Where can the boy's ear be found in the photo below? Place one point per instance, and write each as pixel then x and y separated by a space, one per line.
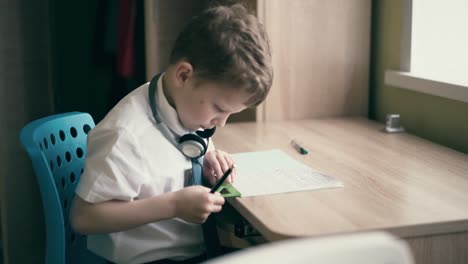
pixel 183 72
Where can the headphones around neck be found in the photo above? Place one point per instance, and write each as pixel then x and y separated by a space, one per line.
pixel 191 145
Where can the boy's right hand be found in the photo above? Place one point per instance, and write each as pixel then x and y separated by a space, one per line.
pixel 195 203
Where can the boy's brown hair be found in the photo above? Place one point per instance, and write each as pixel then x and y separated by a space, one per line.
pixel 226 44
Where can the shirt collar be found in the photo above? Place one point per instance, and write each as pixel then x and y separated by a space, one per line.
pixel 167 113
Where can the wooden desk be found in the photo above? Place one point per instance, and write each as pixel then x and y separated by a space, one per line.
pixel 400 183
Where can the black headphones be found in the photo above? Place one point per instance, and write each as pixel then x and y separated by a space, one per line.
pixel 191 145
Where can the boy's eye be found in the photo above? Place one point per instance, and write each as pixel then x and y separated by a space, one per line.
pixel 218 108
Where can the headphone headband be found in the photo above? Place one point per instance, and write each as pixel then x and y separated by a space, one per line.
pixel 191 145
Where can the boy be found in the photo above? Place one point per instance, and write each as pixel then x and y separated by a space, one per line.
pixel 134 199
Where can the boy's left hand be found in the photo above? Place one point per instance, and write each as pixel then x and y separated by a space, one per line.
pixel 215 163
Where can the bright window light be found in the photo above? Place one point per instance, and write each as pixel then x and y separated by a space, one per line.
pixel 439 40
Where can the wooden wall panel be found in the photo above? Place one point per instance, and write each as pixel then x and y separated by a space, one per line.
pixel 320 53
pixel 163 22
pixel 321 58
pixel 447 248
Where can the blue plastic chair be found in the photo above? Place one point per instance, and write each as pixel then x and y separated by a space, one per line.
pixel 56 146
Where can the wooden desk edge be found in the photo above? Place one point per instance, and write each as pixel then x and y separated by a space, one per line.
pixel 409 231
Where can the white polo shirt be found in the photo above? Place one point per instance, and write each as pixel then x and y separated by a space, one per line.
pixel 129 158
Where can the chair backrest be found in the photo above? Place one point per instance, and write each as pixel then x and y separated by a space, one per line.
pixel 357 248
pixel 56 146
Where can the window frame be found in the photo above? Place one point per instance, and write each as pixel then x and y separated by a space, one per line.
pixel 405 79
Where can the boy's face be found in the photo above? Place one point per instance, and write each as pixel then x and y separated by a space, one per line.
pixel 208 104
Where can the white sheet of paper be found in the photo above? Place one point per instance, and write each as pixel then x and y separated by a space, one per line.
pixel 274 171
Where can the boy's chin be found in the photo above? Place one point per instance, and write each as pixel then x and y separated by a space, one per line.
pixel 194 128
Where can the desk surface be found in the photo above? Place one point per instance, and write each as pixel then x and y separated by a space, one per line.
pixel 395 182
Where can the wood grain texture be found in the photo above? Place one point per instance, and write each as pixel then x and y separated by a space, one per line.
pixel 443 249
pixel 394 182
pixel 163 22
pixel 321 55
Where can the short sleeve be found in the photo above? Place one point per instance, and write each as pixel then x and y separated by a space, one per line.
pixel 113 167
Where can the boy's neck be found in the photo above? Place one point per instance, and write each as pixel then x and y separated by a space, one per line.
pixel 167 90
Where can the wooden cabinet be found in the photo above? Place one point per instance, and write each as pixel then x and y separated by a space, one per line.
pixel 321 54
pixel 320 48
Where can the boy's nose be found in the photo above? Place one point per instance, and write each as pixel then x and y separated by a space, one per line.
pixel 220 121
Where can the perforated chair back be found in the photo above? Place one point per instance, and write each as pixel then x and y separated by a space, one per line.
pixel 56 146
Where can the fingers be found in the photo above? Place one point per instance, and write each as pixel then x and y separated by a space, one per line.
pixel 219 165
pixel 213 200
pixel 200 219
pixel 216 209
pixel 214 178
pixel 232 164
pixel 215 205
pixel 218 199
pixel 196 203
pixel 219 162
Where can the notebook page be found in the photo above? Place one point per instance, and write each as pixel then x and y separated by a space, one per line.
pixel 274 171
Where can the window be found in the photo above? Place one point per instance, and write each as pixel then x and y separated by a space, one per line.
pixel 434 52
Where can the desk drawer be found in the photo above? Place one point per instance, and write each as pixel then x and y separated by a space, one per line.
pixel 234 231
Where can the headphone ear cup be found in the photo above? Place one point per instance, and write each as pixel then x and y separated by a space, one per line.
pixel 192 146
pixel 207 133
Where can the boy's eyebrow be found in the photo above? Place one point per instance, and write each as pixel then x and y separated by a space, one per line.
pixel 223 110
